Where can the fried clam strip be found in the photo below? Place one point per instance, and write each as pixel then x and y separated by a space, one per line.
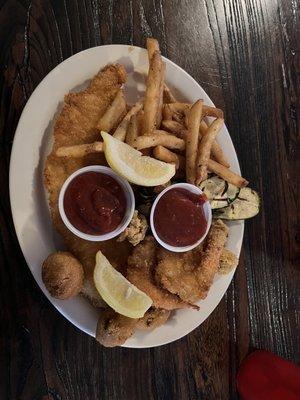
pixel 140 271
pixel 113 114
pixel 120 132
pixel 114 329
pixel 204 149
pixel 79 150
pixel 190 274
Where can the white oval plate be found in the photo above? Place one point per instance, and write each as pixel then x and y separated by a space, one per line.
pixel 30 212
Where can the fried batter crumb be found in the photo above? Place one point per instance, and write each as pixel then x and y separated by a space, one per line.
pixel 114 329
pixel 136 230
pixel 153 318
pixel 228 261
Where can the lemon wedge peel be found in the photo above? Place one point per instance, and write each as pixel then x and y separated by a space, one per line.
pixel 133 166
pixel 121 295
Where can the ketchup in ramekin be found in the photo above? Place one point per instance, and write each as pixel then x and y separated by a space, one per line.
pixel 180 217
pixel 95 203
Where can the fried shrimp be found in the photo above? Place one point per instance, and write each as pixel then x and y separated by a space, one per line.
pixel 190 275
pixel 140 271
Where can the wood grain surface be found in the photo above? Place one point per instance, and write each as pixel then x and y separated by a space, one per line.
pixel 244 53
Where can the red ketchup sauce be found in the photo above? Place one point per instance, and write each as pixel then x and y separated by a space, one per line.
pixel 179 218
pixel 94 203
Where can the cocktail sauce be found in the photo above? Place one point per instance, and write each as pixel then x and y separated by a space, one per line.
pixel 179 218
pixel 94 203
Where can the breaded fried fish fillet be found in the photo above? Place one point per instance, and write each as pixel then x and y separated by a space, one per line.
pixel 76 124
pixel 190 275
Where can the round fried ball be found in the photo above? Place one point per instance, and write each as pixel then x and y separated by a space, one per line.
pixel 62 275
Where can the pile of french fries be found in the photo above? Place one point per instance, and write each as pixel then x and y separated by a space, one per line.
pixel 166 129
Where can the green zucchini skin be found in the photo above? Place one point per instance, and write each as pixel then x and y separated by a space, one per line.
pixel 219 192
pixel 245 206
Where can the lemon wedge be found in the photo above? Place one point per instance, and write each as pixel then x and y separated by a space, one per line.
pixel 117 291
pixel 133 166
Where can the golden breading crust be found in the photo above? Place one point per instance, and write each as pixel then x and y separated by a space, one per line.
pixel 76 124
pixel 153 318
pixel 228 261
pixel 190 274
pixel 62 275
pixel 136 230
pixel 140 271
pixel 114 329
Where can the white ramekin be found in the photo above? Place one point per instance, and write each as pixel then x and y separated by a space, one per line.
pixel 207 212
pixel 128 213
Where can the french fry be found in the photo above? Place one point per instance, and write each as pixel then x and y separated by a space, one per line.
pixel 114 113
pixel 205 149
pixel 173 126
pixel 166 112
pixel 159 138
pixel 79 150
pixel 226 174
pixel 152 95
pixel 209 111
pixel 132 131
pixel 192 139
pixel 175 111
pixel 180 107
pixel 152 47
pixel 216 149
pixel 160 104
pixel 120 132
pixel 178 117
pixel 166 155
pixel 140 121
pixel 168 96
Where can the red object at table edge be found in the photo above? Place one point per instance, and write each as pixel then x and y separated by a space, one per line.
pixel 265 376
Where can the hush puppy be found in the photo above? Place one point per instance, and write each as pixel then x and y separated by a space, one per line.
pixel 62 275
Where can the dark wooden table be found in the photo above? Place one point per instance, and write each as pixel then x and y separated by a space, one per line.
pixel 243 53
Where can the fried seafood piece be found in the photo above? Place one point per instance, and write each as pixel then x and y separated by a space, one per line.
pixel 153 318
pixel 114 329
pixel 190 274
pixel 62 275
pixel 75 125
pixel 141 266
pixel 136 230
pixel 228 261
